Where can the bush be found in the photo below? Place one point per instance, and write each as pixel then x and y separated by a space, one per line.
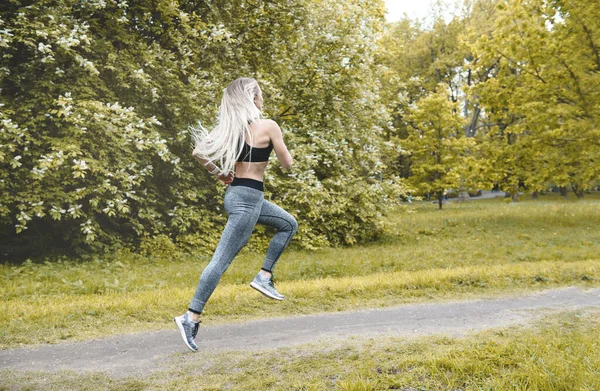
pixel 97 98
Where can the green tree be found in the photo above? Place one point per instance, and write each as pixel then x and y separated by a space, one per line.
pixel 436 144
pixel 479 21
pixel 416 60
pixel 82 155
pixel 543 99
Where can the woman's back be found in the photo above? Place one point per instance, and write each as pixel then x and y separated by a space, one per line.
pixel 265 133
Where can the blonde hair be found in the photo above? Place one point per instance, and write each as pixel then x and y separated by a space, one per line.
pixel 223 145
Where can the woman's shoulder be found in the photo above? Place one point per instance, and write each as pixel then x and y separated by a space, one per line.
pixel 269 126
pixel 267 123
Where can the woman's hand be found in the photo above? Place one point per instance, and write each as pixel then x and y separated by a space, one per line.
pixel 226 178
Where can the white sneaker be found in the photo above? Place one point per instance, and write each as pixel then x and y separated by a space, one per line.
pixel 265 286
pixel 188 329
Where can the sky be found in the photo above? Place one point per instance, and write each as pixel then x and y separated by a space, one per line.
pixel 413 8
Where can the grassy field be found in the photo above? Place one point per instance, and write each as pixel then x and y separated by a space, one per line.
pixel 560 352
pixel 471 249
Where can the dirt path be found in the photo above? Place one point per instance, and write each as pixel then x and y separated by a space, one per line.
pixel 137 353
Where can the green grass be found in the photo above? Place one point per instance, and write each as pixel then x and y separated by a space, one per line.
pixel 470 249
pixel 559 352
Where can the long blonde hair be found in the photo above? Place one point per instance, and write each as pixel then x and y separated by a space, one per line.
pixel 223 145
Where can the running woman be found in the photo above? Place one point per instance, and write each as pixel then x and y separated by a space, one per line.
pixel 237 151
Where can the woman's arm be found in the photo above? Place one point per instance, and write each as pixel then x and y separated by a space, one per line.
pixel 213 168
pixel 283 155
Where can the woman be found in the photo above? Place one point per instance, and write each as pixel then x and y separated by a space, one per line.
pixel 237 151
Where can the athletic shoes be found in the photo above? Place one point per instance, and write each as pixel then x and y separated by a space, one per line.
pixel 188 329
pixel 265 286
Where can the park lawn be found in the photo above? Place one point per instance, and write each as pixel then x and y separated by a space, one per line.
pixel 467 250
pixel 559 352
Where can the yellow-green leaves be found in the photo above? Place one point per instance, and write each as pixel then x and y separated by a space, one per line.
pixel 544 96
pixel 436 144
pixel 526 75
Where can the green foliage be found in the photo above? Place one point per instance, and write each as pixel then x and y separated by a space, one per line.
pixel 423 68
pixel 543 128
pixel 526 74
pixel 416 60
pixel 97 97
pixel 436 144
pixel 335 123
pixel 91 163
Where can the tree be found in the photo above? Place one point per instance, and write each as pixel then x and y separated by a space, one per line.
pixel 479 21
pixel 416 60
pixel 543 96
pixel 436 144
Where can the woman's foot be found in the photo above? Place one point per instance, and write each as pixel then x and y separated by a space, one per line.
pixel 188 329
pixel 265 286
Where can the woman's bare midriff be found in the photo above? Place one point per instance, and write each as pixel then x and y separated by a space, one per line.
pixel 254 170
pixel 250 170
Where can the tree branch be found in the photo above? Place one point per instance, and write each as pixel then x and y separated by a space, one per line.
pixel 591 39
pixel 577 85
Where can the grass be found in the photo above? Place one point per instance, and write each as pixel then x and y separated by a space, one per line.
pixel 471 249
pixel 559 352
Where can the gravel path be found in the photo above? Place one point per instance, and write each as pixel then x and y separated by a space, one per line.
pixel 138 353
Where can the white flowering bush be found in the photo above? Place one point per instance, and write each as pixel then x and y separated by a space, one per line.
pixel 97 96
pixel 332 111
pixel 88 124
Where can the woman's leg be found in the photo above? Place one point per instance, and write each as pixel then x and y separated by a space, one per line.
pixel 243 205
pixel 273 216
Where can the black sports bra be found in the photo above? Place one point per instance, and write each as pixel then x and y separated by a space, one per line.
pixel 254 154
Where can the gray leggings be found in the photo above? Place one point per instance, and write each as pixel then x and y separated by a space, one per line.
pixel 246 206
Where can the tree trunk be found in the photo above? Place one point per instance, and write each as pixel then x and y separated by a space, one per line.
pixel 515 193
pixel 470 127
pixel 535 195
pixel 466 105
pixel 564 192
pixel 578 190
pixel 440 198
